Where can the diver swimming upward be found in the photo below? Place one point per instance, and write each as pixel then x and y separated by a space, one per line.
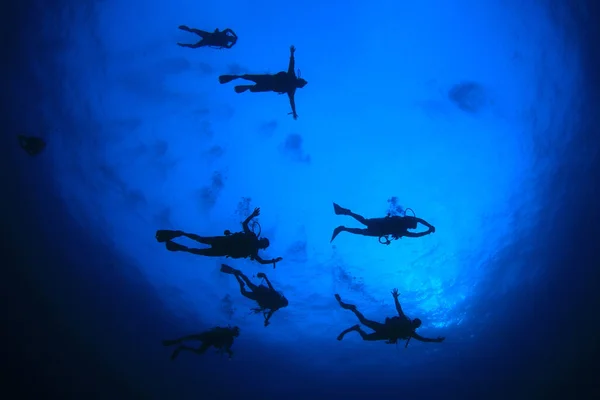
pixel 393 225
pixel 282 82
pixel 268 299
pixel 217 337
pixel 245 244
pixel 395 328
pixel 218 39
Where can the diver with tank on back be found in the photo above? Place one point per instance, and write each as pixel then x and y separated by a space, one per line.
pixel 244 244
pixel 394 226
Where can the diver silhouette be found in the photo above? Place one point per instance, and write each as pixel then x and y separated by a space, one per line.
pixel 217 337
pixel 219 39
pixel 282 82
pixel 245 244
pixel 400 327
pixel 31 144
pixel 268 299
pixel 395 226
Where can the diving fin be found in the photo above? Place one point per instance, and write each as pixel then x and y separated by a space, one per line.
pixel 336 232
pixel 340 210
pixel 227 78
pixel 165 235
pixel 227 269
pixel 242 88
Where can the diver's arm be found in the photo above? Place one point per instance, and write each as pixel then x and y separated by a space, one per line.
pixel 427 224
pixel 268 283
pixel 273 261
pixel 293 104
pixel 254 214
pixel 246 222
pixel 292 64
pixel 416 234
pixel 420 338
pixel 399 308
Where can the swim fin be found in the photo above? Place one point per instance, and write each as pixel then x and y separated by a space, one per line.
pixel 227 78
pixel 340 210
pixel 242 88
pixel 172 246
pixel 164 235
pixel 227 269
pixel 336 232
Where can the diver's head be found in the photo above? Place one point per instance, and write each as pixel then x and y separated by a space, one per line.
pixel 301 82
pixel 235 331
pixel 416 323
pixel 263 243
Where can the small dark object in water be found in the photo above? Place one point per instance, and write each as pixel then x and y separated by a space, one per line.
pixel 31 144
pixel 468 96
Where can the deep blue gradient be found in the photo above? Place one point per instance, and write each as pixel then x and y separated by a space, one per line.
pixel 476 115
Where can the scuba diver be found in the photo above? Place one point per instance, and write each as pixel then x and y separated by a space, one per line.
pixel 400 327
pixel 218 39
pixel 31 144
pixel 282 82
pixel 217 337
pixel 268 299
pixel 243 244
pixel 395 226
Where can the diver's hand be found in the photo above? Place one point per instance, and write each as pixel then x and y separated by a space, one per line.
pixel 395 293
pixel 256 212
pixel 295 116
pixel 267 323
pixel 275 261
pixel 292 49
pixel 432 229
pixel 440 339
pixel 261 275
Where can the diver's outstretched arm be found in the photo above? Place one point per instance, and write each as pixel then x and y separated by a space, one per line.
pixel 292 64
pixel 255 213
pixel 416 234
pixel 267 280
pixel 293 104
pixel 427 224
pixel 420 338
pixel 395 294
pixel 273 261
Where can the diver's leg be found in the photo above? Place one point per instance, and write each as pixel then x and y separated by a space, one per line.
pixel 355 231
pixel 210 252
pixel 201 43
pixel 248 282
pixel 256 78
pixel 201 239
pixel 345 211
pixel 200 350
pixel 371 337
pixel 352 328
pixel 197 336
pixel 249 294
pixel 371 324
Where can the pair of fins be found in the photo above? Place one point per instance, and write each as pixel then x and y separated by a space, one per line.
pixel 229 78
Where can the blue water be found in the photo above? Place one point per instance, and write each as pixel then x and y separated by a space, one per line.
pixel 470 113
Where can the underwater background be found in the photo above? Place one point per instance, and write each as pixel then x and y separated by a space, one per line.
pixel 477 115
